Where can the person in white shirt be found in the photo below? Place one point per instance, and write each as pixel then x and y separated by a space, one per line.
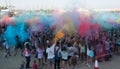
pixel 50 56
pixel 64 55
pixel 27 55
pixel 40 51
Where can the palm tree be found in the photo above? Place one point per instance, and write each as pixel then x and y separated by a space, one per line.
pixel 3 7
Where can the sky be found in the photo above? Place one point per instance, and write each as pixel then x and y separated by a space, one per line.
pixel 61 4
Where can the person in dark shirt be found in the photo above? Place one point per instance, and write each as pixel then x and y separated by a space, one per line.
pixel 18 46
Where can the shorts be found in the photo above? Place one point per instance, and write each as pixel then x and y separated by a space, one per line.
pixel 40 58
pixel 64 60
pixel 69 57
pixel 82 51
pixel 51 61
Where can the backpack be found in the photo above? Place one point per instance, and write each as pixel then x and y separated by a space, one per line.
pixel 57 57
pixel 56 54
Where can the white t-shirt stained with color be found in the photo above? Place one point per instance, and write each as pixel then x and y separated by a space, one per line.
pixel 50 52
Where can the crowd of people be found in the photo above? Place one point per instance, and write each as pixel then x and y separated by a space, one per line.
pixel 65 52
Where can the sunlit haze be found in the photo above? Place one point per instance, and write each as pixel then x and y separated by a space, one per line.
pixel 61 4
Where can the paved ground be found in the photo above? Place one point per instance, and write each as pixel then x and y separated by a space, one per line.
pixel 13 62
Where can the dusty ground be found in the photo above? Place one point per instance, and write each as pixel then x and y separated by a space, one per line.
pixel 13 62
